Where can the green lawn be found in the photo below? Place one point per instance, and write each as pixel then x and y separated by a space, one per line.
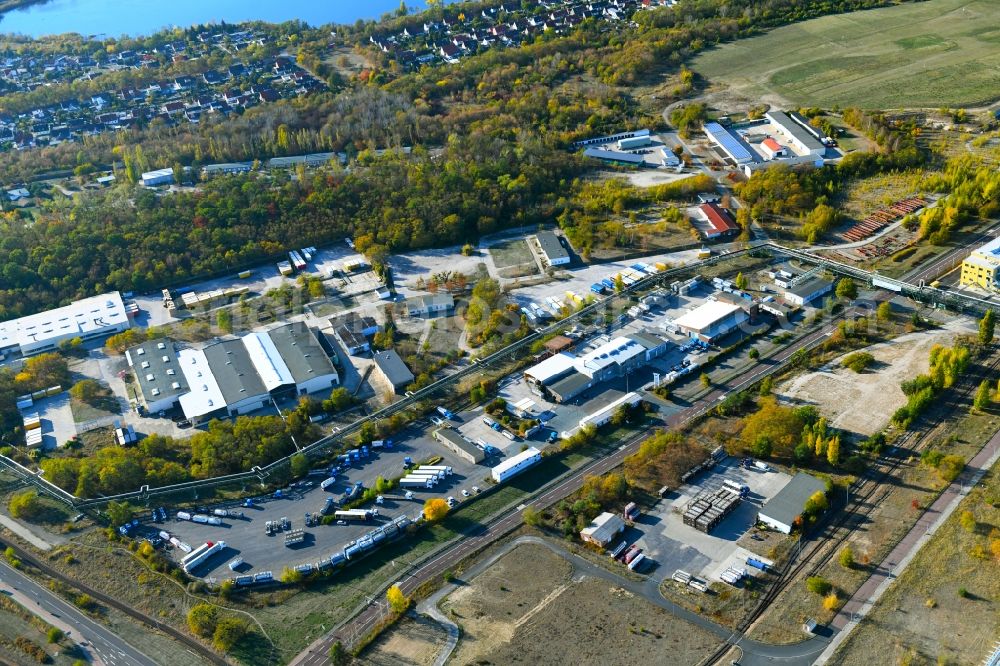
pixel 924 54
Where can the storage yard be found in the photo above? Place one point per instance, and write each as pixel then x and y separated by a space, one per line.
pixel 529 607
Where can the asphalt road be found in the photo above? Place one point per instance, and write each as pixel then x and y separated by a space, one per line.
pixel 109 648
pixel 317 653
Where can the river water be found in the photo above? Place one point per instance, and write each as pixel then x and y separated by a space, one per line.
pixel 113 18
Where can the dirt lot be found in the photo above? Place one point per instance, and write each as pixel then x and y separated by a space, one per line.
pixel 846 398
pixel 527 609
pixel 414 640
pixel 922 619
pixel 513 258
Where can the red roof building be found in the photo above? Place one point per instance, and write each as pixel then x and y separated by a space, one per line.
pixel 720 222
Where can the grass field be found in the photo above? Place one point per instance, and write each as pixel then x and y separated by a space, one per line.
pixel 917 55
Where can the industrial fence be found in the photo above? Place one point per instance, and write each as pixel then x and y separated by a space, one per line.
pixel 261 475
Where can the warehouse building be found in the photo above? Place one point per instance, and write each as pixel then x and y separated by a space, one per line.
pixel 158 177
pixel 711 320
pixel 570 386
pixel 654 345
pixel 550 370
pixel 299 350
pixel 158 374
pixel 730 143
pixel 784 509
pixel 86 319
pixel 612 359
pixel 720 224
pixel 603 415
pixel 243 390
pixel 808 291
pixel 980 269
pixel 429 304
pixel 614 157
pixel 603 529
pixel 459 445
pixel 795 134
pixel 611 138
pixel 553 249
pixel 390 372
pixel 205 398
pixel 635 142
pixel 772 148
pixel 516 464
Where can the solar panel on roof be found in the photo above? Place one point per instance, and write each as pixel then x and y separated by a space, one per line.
pixel 729 142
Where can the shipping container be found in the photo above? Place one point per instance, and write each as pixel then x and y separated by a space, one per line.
pixel 285 268
pixel 353 514
pixel 637 562
pixel 245 274
pixel 183 515
pixel 326 483
pixel 632 555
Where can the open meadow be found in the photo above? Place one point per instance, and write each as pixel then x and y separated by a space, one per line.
pixel 915 55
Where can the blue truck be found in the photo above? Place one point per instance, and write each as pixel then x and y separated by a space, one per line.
pixel 597 288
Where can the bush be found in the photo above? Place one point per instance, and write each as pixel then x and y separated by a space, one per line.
pixel 398 601
pixel 964 593
pixel 831 601
pixel 847 558
pixel 435 509
pixel 202 620
pixel 858 362
pixel 228 633
pixel 818 585
pixel 54 635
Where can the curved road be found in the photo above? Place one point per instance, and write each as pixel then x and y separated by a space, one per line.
pixel 109 648
pixel 481 536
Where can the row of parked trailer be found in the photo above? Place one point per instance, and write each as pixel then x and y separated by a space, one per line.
pixel 711 461
pixel 353 551
pixel 297 260
pixel 684 578
pixel 426 476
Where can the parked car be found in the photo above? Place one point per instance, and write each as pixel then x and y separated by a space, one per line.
pixel 436 421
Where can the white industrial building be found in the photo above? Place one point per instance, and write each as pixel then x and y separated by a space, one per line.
pixel 806 292
pixel 604 414
pixel 552 248
pixel 603 529
pixel 232 376
pixel 781 511
pixel 796 135
pixel 711 320
pixel 158 177
pixel 516 464
pixel 85 319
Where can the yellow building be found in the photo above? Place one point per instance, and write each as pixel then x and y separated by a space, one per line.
pixel 982 267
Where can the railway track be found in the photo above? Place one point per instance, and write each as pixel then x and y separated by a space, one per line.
pixel 867 493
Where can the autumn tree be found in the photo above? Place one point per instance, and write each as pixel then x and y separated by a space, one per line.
pixel 202 620
pixel 986 327
pixel 435 509
pixel 398 601
pixel 847 289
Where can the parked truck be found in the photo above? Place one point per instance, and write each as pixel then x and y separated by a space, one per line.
pixel 416 482
pixel 327 483
pixel 200 554
pixel 435 468
pixel 353 514
pixel 446 413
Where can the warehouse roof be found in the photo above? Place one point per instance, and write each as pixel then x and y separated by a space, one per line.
pixel 83 318
pixel 731 143
pixel 551 246
pixel 792 128
pixel 570 386
pixel 157 370
pixel 352 339
pixel 811 287
pixel 393 368
pixel 787 505
pixel 604 528
pixel 619 351
pixel 205 396
pixel 357 323
pixel 552 368
pixel 705 315
pixel 267 361
pixel 718 218
pixel 648 340
pixel 613 156
pixel 234 371
pixel 456 440
pixel 301 352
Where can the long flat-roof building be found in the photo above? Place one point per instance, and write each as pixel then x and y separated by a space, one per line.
pixel 808 291
pixel 795 134
pixel 730 143
pixel 429 304
pixel 711 320
pixel 390 371
pixel 615 157
pixel 158 374
pixel 781 511
pixel 982 267
pixel 86 319
pixel 553 249
pixel 459 445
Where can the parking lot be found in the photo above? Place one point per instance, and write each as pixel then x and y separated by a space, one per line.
pixel 670 543
pixel 245 536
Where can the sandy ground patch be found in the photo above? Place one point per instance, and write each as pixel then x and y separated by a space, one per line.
pixel 413 641
pixel 863 403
